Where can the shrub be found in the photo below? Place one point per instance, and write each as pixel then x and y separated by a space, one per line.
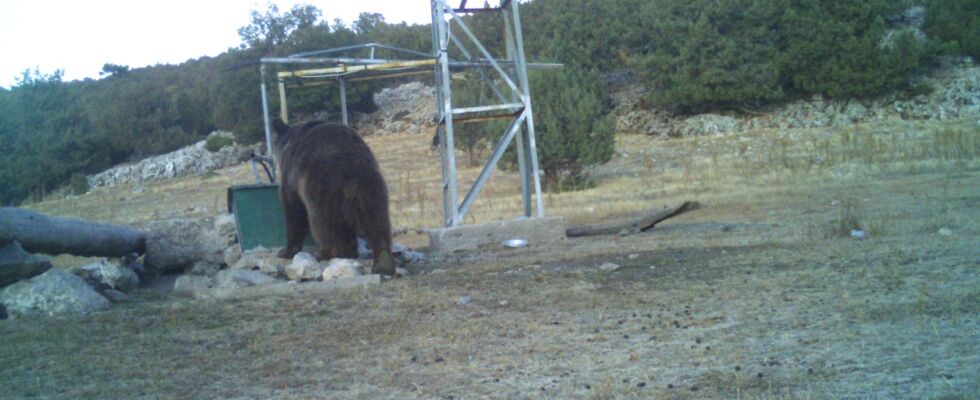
pixel 215 143
pixel 706 54
pixel 574 127
pixel 956 23
pixel 78 184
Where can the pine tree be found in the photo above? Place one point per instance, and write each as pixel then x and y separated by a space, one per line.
pixel 574 127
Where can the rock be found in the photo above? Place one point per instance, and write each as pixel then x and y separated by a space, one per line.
pixel 437 271
pixel 232 254
pixel 17 264
pixel 703 124
pixel 176 244
pixel 226 227
pixel 402 272
pixel 404 109
pixel 608 266
pixel 341 268
pixel 115 296
pixel 405 255
pixel 205 268
pixel 858 234
pixel 945 231
pixel 191 160
pixel 463 300
pixel 304 267
pixel 54 292
pixel 261 260
pixel 633 256
pixel 235 278
pixel 191 284
pixel 110 274
pixel 363 251
pixel 133 263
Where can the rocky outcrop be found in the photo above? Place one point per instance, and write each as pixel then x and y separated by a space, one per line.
pixel 950 93
pixel 55 292
pixel 191 160
pixel 408 108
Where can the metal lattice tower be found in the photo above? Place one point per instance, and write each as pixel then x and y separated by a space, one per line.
pixel 513 98
pixel 514 103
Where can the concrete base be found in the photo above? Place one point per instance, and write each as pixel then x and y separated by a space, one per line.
pixel 490 235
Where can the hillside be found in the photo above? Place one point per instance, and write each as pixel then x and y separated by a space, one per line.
pixel 834 148
pixel 690 57
pixel 762 293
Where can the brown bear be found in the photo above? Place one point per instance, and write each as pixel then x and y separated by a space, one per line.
pixel 330 184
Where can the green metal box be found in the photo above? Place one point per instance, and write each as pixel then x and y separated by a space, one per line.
pixel 259 218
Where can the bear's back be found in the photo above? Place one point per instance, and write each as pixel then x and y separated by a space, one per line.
pixel 326 148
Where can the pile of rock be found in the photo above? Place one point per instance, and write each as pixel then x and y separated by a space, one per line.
pixel 408 108
pixel 204 250
pixel 78 291
pixel 195 159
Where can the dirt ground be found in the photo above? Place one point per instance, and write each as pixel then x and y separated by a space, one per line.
pixel 762 293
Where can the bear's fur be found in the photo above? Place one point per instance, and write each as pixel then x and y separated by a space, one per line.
pixel 331 186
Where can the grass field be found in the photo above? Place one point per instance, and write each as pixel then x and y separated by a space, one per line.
pixel 760 294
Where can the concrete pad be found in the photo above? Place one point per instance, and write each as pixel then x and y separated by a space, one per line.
pixel 287 289
pixel 490 235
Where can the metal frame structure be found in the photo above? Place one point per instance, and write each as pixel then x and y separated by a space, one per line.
pixel 514 98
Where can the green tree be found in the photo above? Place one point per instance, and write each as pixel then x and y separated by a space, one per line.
pixel 956 23
pixel 473 137
pixel 272 28
pixel 711 54
pixel 574 127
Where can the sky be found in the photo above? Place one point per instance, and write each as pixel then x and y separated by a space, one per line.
pixel 80 36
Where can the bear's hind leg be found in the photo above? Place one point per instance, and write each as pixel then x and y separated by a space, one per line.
pixel 324 234
pixel 297 224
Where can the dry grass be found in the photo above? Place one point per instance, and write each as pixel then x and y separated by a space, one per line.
pixel 758 295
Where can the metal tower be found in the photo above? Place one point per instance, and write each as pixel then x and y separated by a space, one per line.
pixel 514 98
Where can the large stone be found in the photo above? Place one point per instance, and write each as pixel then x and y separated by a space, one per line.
pixel 176 244
pixel 236 278
pixel 110 274
pixel 205 268
pixel 264 261
pixel 232 254
pixel 17 264
pixel 339 268
pixel 536 231
pixel 304 267
pixel 54 292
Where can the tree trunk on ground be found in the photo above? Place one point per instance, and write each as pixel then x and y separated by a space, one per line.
pixel 641 223
pixel 39 233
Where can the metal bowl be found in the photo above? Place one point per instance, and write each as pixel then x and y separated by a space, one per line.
pixel 514 243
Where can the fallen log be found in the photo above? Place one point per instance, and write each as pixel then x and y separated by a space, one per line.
pixel 643 222
pixel 39 233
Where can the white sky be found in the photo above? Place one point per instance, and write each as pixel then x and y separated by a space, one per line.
pixel 79 36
